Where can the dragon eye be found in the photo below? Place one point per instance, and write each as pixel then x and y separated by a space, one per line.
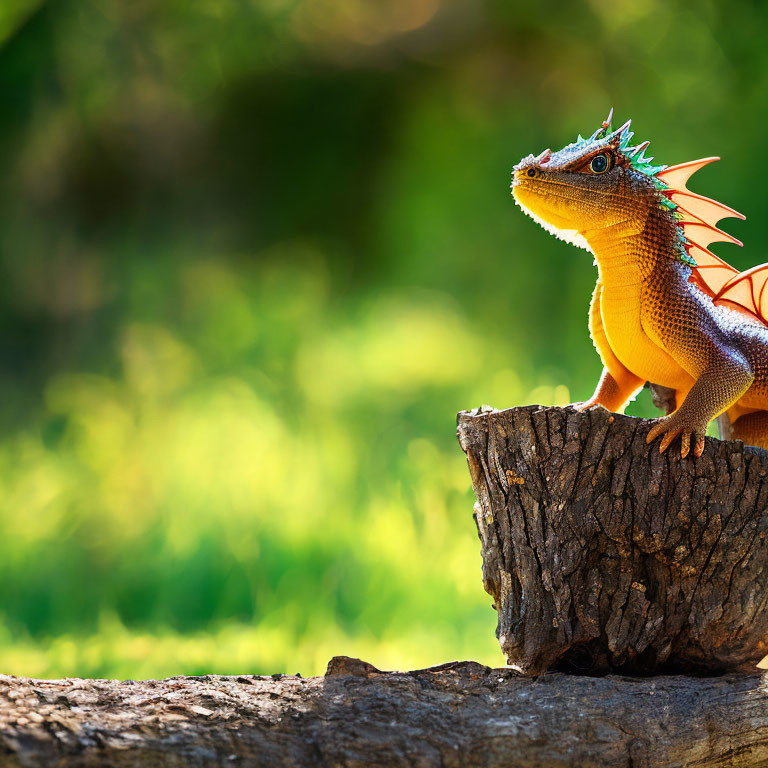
pixel 531 172
pixel 600 163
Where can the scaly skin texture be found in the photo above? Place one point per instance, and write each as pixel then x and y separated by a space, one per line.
pixel 648 321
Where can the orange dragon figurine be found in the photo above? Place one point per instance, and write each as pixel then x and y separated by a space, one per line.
pixel 664 309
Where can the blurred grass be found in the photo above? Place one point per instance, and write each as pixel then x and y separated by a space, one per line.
pixel 309 501
pixel 258 255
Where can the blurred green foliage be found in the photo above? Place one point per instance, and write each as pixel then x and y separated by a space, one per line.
pixel 256 255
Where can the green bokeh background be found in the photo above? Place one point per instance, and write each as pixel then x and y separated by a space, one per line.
pixel 256 255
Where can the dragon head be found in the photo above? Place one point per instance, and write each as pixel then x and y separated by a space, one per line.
pixel 589 185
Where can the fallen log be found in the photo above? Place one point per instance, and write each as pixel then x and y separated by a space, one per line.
pixel 603 555
pixel 452 716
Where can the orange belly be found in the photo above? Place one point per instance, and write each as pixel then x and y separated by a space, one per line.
pixel 635 350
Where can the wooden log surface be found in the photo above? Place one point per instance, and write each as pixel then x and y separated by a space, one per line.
pixel 457 715
pixel 603 555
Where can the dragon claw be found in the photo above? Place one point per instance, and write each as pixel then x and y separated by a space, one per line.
pixel 670 427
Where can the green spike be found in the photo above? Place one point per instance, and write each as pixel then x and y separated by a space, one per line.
pixel 667 203
pixel 686 259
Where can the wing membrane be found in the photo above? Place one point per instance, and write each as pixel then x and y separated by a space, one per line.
pixel 747 290
pixel 743 291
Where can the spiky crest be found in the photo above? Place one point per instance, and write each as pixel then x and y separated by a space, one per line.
pixel 620 139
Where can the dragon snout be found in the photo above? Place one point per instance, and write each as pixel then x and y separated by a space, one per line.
pixel 530 167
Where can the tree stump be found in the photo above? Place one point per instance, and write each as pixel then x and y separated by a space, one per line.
pixel 603 555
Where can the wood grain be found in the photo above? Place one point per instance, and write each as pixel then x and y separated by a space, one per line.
pixel 603 555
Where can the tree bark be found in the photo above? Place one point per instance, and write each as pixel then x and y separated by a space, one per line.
pixel 603 555
pixel 456 715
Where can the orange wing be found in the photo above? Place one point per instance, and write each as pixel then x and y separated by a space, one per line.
pixel 676 176
pixel 745 291
pixel 711 273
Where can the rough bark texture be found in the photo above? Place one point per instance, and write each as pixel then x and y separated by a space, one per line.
pixel 601 554
pixel 457 715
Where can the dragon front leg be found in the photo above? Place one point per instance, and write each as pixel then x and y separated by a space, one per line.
pixel 612 391
pixel 727 377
